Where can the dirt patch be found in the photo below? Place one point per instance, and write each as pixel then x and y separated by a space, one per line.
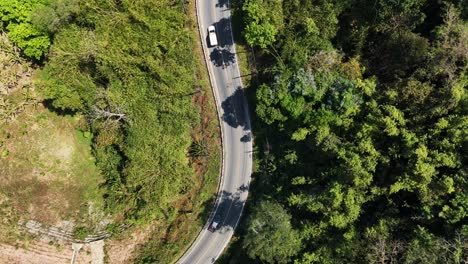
pixel 47 172
pixel 40 253
pixel 97 252
pixel 121 251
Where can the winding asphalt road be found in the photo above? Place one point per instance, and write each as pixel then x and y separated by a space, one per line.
pixel 236 134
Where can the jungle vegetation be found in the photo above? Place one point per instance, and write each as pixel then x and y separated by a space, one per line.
pixel 361 131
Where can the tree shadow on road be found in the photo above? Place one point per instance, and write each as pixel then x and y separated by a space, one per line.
pixel 223 3
pixel 222 57
pixel 235 110
pixel 223 31
pixel 229 209
pixel 246 138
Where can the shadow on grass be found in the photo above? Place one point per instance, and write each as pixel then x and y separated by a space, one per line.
pixel 48 103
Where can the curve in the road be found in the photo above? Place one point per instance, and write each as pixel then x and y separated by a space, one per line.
pixel 236 133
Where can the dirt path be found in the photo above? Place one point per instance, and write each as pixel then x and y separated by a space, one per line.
pixel 97 252
pixel 123 251
pixel 40 253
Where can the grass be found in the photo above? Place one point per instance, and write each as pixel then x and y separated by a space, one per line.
pixel 49 174
pixel 171 238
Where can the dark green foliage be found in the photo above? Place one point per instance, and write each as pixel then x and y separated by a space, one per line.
pixel 427 248
pixel 396 54
pixel 81 232
pixel 198 149
pixel 55 15
pixel 270 236
pixel 368 144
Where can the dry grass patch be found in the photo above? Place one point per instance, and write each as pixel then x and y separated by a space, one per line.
pixel 47 172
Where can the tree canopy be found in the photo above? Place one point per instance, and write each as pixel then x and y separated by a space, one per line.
pixel 363 120
pixel 270 236
pixel 15 17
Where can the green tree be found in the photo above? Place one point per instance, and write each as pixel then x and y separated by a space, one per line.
pixel 15 16
pixel 263 20
pixel 377 131
pixel 270 236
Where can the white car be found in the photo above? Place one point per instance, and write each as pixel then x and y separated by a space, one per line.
pixel 212 36
pixel 215 223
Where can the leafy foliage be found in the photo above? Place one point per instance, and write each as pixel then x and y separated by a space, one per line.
pixel 132 91
pixel 15 16
pixel 262 26
pixel 270 236
pixel 369 131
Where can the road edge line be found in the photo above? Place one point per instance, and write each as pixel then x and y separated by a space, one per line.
pixel 218 113
pixel 246 109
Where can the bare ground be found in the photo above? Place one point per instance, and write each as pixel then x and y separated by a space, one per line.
pixel 48 174
pixel 123 251
pixel 97 252
pixel 40 253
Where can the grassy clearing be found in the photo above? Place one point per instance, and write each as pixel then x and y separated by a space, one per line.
pixel 47 172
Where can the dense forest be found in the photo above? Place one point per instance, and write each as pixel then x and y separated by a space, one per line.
pixel 361 129
pixel 130 68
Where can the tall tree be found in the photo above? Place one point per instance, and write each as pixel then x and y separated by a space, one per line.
pixel 270 236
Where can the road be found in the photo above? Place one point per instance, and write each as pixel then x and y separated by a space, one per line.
pixel 236 133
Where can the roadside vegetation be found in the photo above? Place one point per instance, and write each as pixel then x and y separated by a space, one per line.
pixel 361 129
pixel 126 76
pixel 47 171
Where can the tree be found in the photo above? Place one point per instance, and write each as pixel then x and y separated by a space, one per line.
pixel 54 15
pixel 262 26
pixel 369 142
pixel 428 248
pixel 15 16
pixel 270 236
